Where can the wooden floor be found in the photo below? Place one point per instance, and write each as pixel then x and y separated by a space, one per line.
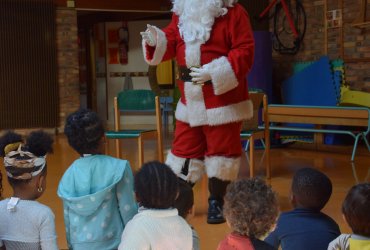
pixel 285 161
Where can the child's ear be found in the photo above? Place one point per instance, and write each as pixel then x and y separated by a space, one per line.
pixel 40 181
pixel 191 212
pixel 292 199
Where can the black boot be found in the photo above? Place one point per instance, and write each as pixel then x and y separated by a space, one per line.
pixel 217 190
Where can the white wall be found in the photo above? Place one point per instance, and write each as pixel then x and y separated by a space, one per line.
pixel 136 63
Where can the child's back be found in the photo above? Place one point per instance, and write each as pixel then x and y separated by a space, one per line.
pixel 303 229
pixel 157 226
pixel 98 201
pixel 97 190
pixel 306 227
pixel 24 226
pixel 24 222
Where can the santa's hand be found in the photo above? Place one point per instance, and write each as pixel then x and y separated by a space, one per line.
pixel 150 36
pixel 199 75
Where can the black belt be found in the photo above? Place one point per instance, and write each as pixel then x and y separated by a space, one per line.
pixel 184 75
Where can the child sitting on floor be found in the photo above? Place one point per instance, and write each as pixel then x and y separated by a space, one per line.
pixel 24 222
pixel 356 212
pixel 250 209
pixel 184 204
pixel 157 226
pixel 306 227
pixel 97 190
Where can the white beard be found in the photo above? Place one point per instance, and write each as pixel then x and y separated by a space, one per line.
pixel 196 17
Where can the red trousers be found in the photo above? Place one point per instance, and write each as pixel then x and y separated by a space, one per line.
pixel 213 149
pixel 198 142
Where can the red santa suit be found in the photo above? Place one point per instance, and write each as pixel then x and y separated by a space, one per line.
pixel 209 116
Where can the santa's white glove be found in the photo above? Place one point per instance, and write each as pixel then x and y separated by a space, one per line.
pixel 150 35
pixel 199 75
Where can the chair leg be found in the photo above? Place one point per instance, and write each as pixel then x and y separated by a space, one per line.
pixel 251 156
pixel 106 146
pixel 118 148
pixel 140 151
pixel 160 148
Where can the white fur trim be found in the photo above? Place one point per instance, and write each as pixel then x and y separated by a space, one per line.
pixel 232 113
pixel 181 112
pixel 192 53
pixel 222 74
pixel 160 48
pixel 196 107
pixel 223 168
pixel 217 116
pixel 196 167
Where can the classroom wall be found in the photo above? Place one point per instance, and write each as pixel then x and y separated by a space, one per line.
pixel 67 56
pixel 136 63
pixel 356 44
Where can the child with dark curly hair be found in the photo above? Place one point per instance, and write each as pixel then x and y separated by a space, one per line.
pixel 24 222
pixel 158 225
pixel 356 212
pixel 97 190
pixel 250 209
pixel 306 227
pixel 185 204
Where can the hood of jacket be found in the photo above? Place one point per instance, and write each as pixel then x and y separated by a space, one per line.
pixel 89 182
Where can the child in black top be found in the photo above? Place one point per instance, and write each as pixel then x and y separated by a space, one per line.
pixel 184 204
pixel 306 227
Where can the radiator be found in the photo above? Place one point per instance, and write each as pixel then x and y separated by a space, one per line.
pixel 28 66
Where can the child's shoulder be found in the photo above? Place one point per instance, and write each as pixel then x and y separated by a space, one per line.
pixel 97 160
pixel 29 206
pixel 41 208
pixel 303 215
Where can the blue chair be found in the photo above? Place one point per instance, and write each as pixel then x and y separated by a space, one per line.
pixel 166 109
pixel 251 131
pixel 142 102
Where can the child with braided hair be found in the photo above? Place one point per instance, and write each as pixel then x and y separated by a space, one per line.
pixel 158 225
pixel 26 223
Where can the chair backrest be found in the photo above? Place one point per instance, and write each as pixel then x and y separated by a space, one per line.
pixel 136 100
pixel 259 99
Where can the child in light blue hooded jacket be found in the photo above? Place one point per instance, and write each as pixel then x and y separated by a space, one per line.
pixel 97 190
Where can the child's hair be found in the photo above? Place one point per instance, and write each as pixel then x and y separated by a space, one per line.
pixel 311 188
pixel 251 207
pixel 185 199
pixel 156 186
pixel 356 209
pixel 84 130
pixel 22 160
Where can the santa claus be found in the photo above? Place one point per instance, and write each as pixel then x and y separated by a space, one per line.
pixel 213 44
